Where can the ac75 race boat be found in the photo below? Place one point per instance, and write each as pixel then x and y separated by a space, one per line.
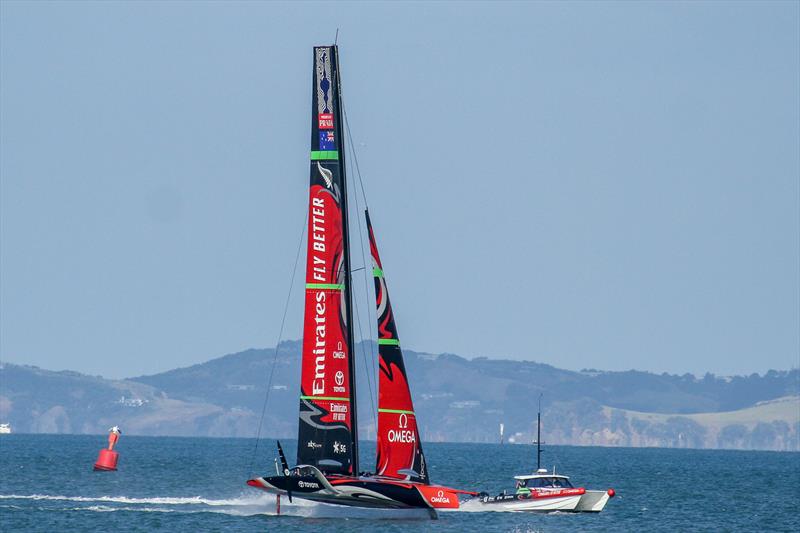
pixel 327 450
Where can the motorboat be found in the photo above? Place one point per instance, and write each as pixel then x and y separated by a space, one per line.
pixel 546 491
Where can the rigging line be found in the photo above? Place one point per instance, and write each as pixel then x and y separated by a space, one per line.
pixel 366 367
pixel 374 356
pixel 361 239
pixel 374 374
pixel 277 345
pixel 353 151
pixel 370 377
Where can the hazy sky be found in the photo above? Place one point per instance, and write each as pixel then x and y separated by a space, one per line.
pixel 606 185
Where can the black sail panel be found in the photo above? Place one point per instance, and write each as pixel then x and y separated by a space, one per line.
pixel 327 428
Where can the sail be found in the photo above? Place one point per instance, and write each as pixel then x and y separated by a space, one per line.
pixel 327 430
pixel 399 446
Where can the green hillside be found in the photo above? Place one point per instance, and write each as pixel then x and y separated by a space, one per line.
pixel 456 399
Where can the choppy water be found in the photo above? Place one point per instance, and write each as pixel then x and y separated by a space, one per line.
pixel 182 484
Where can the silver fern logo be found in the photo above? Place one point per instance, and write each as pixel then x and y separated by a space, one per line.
pixel 327 176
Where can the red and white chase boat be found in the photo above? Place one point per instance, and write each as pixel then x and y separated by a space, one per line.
pixel 546 492
pixel 327 450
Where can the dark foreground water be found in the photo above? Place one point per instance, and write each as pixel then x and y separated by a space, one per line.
pixel 185 484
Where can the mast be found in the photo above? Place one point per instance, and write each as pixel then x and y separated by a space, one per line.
pixel 539 435
pixel 348 284
pixel 327 431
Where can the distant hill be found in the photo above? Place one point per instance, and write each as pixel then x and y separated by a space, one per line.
pixel 456 399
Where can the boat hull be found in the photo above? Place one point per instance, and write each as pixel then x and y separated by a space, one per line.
pixel 563 500
pixel 370 492
pixel 593 501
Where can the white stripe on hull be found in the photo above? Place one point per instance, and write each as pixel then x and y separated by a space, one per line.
pixel 562 503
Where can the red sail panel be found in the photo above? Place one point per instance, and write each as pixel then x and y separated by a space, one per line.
pixel 325 437
pixel 399 445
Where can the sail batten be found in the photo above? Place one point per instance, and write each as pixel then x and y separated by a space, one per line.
pixel 327 435
pixel 399 453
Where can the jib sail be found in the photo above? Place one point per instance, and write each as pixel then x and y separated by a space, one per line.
pixel 327 433
pixel 399 452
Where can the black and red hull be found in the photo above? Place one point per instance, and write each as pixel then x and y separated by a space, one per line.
pixel 363 491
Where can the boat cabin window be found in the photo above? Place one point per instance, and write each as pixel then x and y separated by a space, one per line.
pixel 549 482
pixel 303 471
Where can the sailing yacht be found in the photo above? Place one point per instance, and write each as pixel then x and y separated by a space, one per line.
pixel 327 451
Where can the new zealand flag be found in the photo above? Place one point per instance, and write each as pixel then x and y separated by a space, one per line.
pixel 326 140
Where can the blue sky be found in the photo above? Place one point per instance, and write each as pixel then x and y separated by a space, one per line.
pixel 589 185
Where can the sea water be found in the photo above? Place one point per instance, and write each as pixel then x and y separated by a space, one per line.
pixel 198 484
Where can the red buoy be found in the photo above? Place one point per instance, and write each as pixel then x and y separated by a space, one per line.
pixel 611 493
pixel 106 460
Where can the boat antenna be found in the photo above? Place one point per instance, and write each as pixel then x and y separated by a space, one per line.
pixel 336 39
pixel 539 435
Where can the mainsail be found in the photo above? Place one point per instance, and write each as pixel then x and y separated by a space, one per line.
pixel 399 446
pixel 327 436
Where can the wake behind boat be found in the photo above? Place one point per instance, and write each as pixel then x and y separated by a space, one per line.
pixel 327 451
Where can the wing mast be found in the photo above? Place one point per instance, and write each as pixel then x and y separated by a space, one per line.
pixel 348 286
pixel 327 434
